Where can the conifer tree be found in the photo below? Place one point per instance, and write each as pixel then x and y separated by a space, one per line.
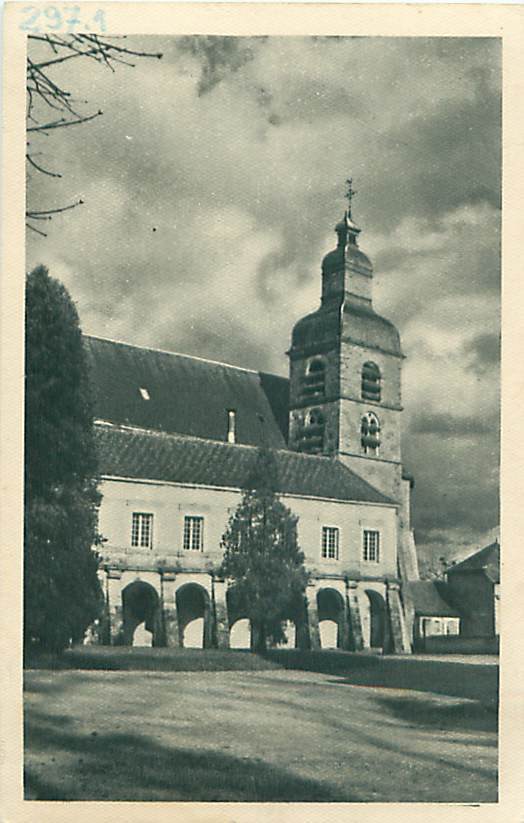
pixel 62 594
pixel 262 558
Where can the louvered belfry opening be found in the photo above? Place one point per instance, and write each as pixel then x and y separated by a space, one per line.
pixel 311 439
pixel 314 380
pixel 370 433
pixel 371 382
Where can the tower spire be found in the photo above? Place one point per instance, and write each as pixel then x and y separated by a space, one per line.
pixel 346 229
pixel 350 194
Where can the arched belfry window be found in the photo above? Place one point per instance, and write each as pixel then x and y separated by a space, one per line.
pixel 370 382
pixel 312 435
pixel 314 380
pixel 370 433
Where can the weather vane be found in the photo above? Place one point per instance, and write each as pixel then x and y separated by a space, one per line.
pixel 350 193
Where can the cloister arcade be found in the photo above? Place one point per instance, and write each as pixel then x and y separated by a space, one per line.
pixel 199 611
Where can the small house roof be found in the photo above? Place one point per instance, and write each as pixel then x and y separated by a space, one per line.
pixel 486 560
pixel 428 600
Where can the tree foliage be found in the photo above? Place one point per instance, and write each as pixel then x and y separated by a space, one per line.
pixel 51 106
pixel 62 595
pixel 262 558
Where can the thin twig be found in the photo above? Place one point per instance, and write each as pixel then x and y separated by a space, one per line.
pixel 38 231
pixel 58 124
pixel 43 214
pixel 44 92
pixel 41 168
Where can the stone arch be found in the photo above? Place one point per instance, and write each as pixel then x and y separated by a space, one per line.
pixel 376 620
pixel 141 606
pixel 240 633
pixel 239 623
pixel 331 610
pixel 236 608
pixel 193 606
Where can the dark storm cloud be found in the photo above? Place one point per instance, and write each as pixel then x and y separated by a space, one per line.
pixel 435 146
pixel 445 424
pixel 218 56
pixel 453 491
pixel 212 185
pixel 484 352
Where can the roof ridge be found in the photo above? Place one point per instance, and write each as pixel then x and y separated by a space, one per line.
pixel 476 554
pixel 173 435
pixel 181 354
pixel 222 443
pixel 182 436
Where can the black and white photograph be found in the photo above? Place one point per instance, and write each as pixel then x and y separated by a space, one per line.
pixel 262 330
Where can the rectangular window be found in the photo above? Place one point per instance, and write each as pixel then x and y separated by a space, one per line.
pixel 142 530
pixel 371 546
pixel 330 542
pixel 194 534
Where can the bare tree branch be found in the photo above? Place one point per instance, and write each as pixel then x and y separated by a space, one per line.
pixel 35 165
pixel 53 47
pixel 45 94
pixel 58 124
pixel 33 228
pixel 47 214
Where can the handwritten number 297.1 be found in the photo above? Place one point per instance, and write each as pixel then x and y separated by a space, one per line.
pixel 51 18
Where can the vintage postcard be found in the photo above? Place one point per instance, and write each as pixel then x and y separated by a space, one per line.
pixel 257 548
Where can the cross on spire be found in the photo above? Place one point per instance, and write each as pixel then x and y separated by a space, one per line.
pixel 350 193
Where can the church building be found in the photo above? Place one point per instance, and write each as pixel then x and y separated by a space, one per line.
pixel 178 437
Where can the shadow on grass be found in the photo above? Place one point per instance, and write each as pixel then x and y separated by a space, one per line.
pixel 466 716
pixel 132 767
pixel 127 658
pixel 468 680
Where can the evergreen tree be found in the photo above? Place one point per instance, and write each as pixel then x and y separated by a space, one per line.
pixel 262 557
pixel 62 594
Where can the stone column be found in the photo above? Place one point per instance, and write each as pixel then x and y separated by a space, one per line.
pixel 255 637
pixel 114 606
pixel 356 640
pixel 343 633
pixel 170 616
pixel 220 613
pixel 98 632
pixel 312 617
pixel 400 641
pixel 208 625
pixel 159 628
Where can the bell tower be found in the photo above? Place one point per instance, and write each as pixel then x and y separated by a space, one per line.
pixel 345 369
pixel 345 373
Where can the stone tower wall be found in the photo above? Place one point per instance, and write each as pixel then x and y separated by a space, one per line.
pixel 352 357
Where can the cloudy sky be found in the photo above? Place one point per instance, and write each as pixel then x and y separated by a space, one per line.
pixel 212 184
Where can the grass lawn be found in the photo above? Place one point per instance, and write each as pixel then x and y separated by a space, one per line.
pixel 267 734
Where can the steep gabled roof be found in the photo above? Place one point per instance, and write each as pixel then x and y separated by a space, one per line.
pixel 428 600
pixel 185 395
pixel 146 455
pixel 486 560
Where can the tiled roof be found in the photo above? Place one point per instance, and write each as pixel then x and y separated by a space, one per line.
pixel 428 600
pixel 175 458
pixel 356 324
pixel 486 560
pixel 185 395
